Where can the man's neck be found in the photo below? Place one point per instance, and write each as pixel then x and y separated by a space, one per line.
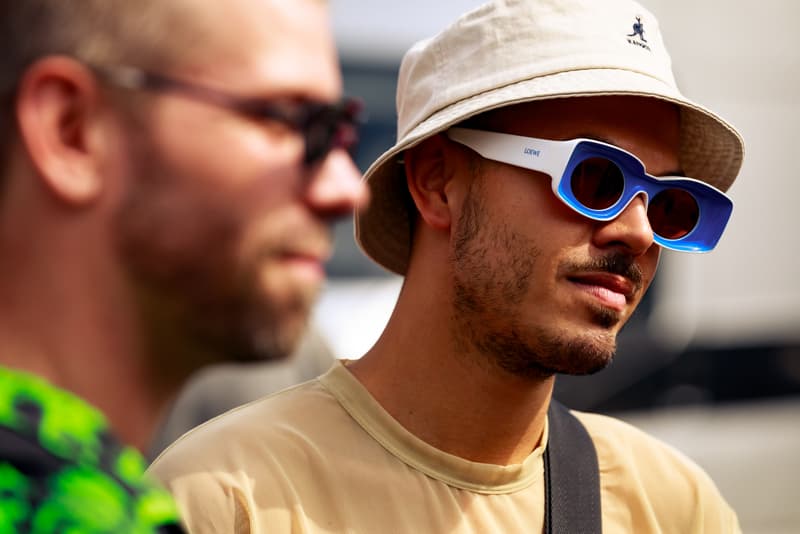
pixel 84 340
pixel 67 309
pixel 457 402
pixel 119 388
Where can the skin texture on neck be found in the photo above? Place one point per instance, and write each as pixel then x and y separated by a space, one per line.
pixel 443 396
pixel 507 286
pixel 66 314
pixel 450 399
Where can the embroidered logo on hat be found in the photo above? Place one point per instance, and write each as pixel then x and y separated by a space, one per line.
pixel 638 31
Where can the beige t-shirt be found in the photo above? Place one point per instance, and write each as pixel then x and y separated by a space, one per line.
pixel 324 457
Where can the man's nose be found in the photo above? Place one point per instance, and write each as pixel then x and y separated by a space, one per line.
pixel 335 187
pixel 630 230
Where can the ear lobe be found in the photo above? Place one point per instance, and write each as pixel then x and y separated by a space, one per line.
pixel 427 176
pixel 56 101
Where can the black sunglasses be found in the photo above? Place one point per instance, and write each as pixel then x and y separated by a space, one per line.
pixel 324 126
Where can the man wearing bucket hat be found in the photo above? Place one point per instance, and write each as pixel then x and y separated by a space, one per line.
pixel 544 158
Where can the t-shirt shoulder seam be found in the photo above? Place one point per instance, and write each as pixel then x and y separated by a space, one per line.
pixel 232 411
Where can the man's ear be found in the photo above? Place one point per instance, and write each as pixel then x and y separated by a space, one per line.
pixel 56 109
pixel 428 173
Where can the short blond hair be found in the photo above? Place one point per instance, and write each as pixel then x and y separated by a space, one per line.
pixel 145 33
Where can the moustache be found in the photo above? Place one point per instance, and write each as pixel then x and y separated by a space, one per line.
pixel 616 263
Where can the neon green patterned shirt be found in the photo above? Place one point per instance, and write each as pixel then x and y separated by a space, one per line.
pixel 62 471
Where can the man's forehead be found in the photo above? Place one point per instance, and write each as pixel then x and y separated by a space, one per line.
pixel 269 47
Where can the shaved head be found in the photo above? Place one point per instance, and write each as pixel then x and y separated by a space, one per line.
pixel 146 33
pixel 95 31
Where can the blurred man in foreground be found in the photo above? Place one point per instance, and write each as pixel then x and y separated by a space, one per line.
pixel 169 172
pixel 539 170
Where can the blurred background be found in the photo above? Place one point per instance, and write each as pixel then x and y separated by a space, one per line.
pixel 711 361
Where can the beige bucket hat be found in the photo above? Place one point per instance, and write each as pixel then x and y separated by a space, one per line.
pixel 512 51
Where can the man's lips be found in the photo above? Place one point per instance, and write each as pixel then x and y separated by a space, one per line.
pixel 304 265
pixel 612 290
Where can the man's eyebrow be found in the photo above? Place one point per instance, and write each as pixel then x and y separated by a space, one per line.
pixel 595 137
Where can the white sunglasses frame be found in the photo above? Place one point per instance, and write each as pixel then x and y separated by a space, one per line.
pixel 553 158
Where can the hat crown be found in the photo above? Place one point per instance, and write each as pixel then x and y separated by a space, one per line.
pixel 508 41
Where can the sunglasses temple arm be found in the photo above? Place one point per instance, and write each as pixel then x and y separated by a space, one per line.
pixel 548 157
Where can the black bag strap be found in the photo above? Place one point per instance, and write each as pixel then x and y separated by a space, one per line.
pixel 571 476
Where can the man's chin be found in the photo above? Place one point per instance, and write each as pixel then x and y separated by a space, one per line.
pixel 277 324
pixel 279 342
pixel 548 355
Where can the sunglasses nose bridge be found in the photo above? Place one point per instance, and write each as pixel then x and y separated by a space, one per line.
pixel 628 198
pixel 636 191
pixel 640 183
pixel 631 190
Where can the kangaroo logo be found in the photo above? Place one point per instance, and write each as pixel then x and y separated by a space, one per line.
pixel 638 29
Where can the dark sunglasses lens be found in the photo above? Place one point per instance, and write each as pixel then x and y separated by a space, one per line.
pixel 317 142
pixel 673 213
pixel 329 129
pixel 597 183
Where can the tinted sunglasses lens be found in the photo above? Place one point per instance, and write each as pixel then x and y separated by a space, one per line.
pixel 319 132
pixel 333 127
pixel 673 213
pixel 597 183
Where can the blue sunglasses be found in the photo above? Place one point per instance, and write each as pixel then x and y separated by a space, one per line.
pixel 599 180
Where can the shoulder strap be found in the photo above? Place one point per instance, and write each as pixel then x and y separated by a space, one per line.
pixel 571 476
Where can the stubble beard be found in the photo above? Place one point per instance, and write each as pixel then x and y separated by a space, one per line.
pixel 271 328
pixel 215 309
pixel 489 291
pixel 199 302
